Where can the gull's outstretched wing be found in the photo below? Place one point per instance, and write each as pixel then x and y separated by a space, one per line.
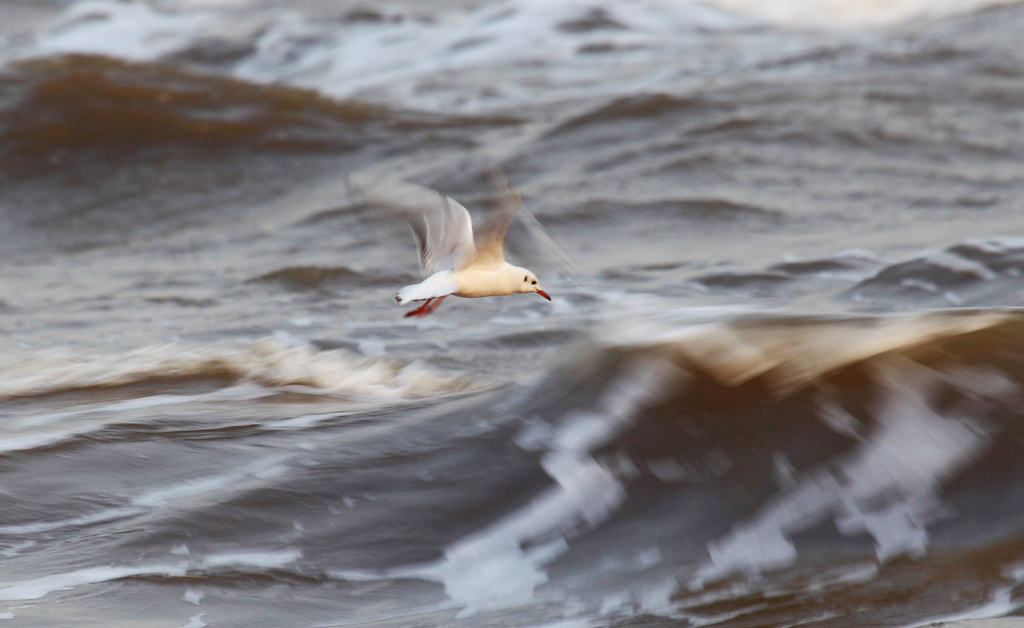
pixel 490 235
pixel 519 233
pixel 443 228
pixel 528 242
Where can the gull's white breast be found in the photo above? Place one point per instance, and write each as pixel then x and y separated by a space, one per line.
pixel 487 282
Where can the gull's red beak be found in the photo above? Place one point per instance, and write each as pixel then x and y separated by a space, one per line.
pixel 543 294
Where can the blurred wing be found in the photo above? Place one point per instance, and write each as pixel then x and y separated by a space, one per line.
pixel 443 228
pixel 519 233
pixel 490 236
pixel 529 243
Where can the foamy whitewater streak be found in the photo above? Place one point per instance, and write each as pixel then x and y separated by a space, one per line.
pixel 125 30
pixel 269 362
pixel 542 51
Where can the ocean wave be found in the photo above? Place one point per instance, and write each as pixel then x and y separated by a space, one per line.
pixel 444 62
pixel 858 421
pixel 358 54
pixel 269 362
pixel 70 104
pixel 719 442
pixel 984 272
pixel 969 273
pixel 698 456
pixel 845 268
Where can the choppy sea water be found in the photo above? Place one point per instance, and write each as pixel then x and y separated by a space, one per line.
pixel 785 387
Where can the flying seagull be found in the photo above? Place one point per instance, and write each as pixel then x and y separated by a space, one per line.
pixel 455 258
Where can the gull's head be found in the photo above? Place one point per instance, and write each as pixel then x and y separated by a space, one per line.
pixel 530 284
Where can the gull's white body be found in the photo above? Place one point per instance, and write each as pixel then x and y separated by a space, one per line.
pixel 468 282
pixel 454 259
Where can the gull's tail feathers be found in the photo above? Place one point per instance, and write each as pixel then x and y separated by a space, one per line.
pixel 437 285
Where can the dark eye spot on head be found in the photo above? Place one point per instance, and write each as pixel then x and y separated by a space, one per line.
pixel 525 278
pixel 535 282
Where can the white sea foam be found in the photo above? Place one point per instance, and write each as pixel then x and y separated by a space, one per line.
pixel 260 560
pixel 125 30
pixel 196 621
pixel 192 596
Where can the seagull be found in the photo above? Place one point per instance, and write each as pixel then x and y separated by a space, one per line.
pixel 455 258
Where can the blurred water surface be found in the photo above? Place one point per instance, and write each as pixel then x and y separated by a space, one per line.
pixel 785 388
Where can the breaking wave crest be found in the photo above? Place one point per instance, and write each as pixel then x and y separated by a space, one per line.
pixel 267 362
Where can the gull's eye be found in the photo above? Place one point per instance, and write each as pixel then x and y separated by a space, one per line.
pixel 535 282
